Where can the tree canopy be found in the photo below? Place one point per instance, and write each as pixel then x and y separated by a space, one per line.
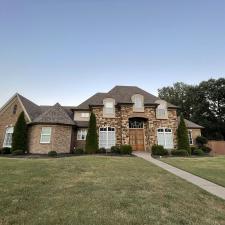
pixel 203 103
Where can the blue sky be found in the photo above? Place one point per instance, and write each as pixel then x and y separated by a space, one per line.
pixel 66 50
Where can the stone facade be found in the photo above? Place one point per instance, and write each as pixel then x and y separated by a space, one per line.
pixel 60 139
pixel 8 118
pixel 121 123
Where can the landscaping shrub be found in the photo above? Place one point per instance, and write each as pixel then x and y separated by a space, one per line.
pixel 125 149
pixel 182 135
pixel 180 152
pixel 101 151
pixel 159 150
pixel 201 141
pixel 5 151
pixel 78 151
pixel 115 149
pixel 52 154
pixel 206 149
pixel 92 136
pixel 18 152
pixel 19 138
pixel 192 150
pixel 198 152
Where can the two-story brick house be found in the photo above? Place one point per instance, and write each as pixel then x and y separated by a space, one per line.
pixel 124 115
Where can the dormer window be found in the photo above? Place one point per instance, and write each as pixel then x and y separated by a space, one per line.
pixel 161 110
pixel 109 107
pixel 138 101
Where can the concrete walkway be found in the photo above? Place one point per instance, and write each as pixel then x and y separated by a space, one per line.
pixel 200 182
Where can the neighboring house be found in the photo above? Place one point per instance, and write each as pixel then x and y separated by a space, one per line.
pixel 124 115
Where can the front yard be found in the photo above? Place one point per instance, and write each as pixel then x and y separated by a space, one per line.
pixel 99 190
pixel 210 168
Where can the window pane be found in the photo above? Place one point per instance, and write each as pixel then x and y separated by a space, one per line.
pixel 85 115
pixel 109 104
pixel 45 138
pixel 46 130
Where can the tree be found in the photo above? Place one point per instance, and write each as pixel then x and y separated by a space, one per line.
pixel 203 104
pixel 92 136
pixel 182 135
pixel 19 138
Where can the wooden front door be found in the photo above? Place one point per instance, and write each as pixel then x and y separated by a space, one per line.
pixel 137 139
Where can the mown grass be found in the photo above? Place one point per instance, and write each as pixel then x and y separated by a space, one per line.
pixel 210 168
pixel 92 190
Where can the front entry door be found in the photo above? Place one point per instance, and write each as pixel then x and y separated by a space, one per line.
pixel 137 139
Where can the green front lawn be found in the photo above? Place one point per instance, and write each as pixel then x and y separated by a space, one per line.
pixel 99 190
pixel 210 168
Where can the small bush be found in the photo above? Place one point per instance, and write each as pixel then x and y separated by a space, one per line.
pixel 180 152
pixel 198 152
pixel 5 151
pixel 18 152
pixel 101 151
pixel 159 150
pixel 52 154
pixel 200 140
pixel 115 149
pixel 78 151
pixel 206 149
pixel 192 150
pixel 125 149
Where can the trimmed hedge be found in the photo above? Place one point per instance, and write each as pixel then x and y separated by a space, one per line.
pixel 159 150
pixel 5 151
pixel 52 154
pixel 198 152
pixel 115 149
pixel 78 151
pixel 18 152
pixel 101 151
pixel 125 149
pixel 180 152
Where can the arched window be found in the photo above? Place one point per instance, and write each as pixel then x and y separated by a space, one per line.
pixel 109 107
pixel 8 137
pixel 15 109
pixel 138 101
pixel 161 110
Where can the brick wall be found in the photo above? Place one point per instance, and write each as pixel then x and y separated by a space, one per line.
pixel 7 118
pixel 60 139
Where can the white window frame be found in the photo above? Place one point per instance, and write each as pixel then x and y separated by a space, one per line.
pixel 85 115
pixel 164 132
pixel 190 137
pixel 108 145
pixel 8 132
pixel 82 132
pixel 161 110
pixel 109 107
pixel 49 134
pixel 138 101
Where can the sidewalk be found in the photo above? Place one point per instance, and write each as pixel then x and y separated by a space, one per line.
pixel 200 182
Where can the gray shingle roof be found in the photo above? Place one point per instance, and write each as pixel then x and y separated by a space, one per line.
pixel 121 94
pixel 54 115
pixel 32 109
pixel 189 124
